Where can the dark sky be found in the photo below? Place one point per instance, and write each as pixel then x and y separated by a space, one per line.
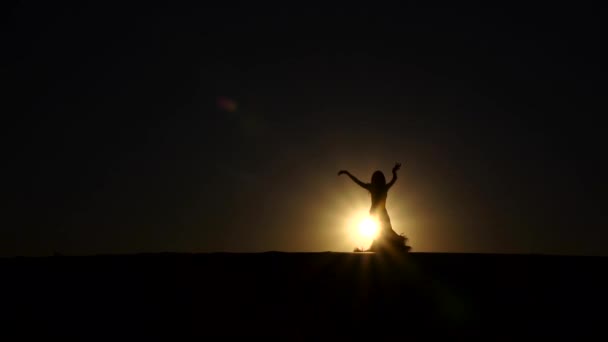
pixel 114 142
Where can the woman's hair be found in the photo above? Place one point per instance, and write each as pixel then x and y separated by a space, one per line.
pixel 378 179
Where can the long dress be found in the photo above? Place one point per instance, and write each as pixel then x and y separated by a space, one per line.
pixel 378 209
pixel 387 237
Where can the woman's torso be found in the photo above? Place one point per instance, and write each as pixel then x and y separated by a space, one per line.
pixel 378 198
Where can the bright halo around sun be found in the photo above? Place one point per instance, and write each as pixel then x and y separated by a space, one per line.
pixel 368 228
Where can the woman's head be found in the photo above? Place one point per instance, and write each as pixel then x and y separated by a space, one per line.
pixel 378 179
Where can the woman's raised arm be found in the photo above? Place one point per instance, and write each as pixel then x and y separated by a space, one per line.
pixel 395 169
pixel 360 183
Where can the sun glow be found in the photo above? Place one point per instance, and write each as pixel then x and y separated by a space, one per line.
pixel 346 218
pixel 360 229
pixel 368 228
pixel 351 226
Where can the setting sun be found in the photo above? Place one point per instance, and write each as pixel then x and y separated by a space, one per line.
pixel 368 227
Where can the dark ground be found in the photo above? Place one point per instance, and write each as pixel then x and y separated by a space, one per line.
pixel 296 295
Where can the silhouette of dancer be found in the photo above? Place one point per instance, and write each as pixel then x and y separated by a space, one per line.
pixel 378 189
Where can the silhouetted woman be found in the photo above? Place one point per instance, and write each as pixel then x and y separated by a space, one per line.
pixel 378 189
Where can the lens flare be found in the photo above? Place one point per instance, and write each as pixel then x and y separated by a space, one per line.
pixel 226 104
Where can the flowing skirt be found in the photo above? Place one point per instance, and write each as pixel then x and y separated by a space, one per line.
pixel 384 221
pixel 387 238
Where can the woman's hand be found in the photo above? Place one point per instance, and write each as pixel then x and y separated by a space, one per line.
pixel 396 167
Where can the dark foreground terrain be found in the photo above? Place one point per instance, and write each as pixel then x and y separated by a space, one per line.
pixel 295 295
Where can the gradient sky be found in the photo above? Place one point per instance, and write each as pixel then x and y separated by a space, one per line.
pixel 115 143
